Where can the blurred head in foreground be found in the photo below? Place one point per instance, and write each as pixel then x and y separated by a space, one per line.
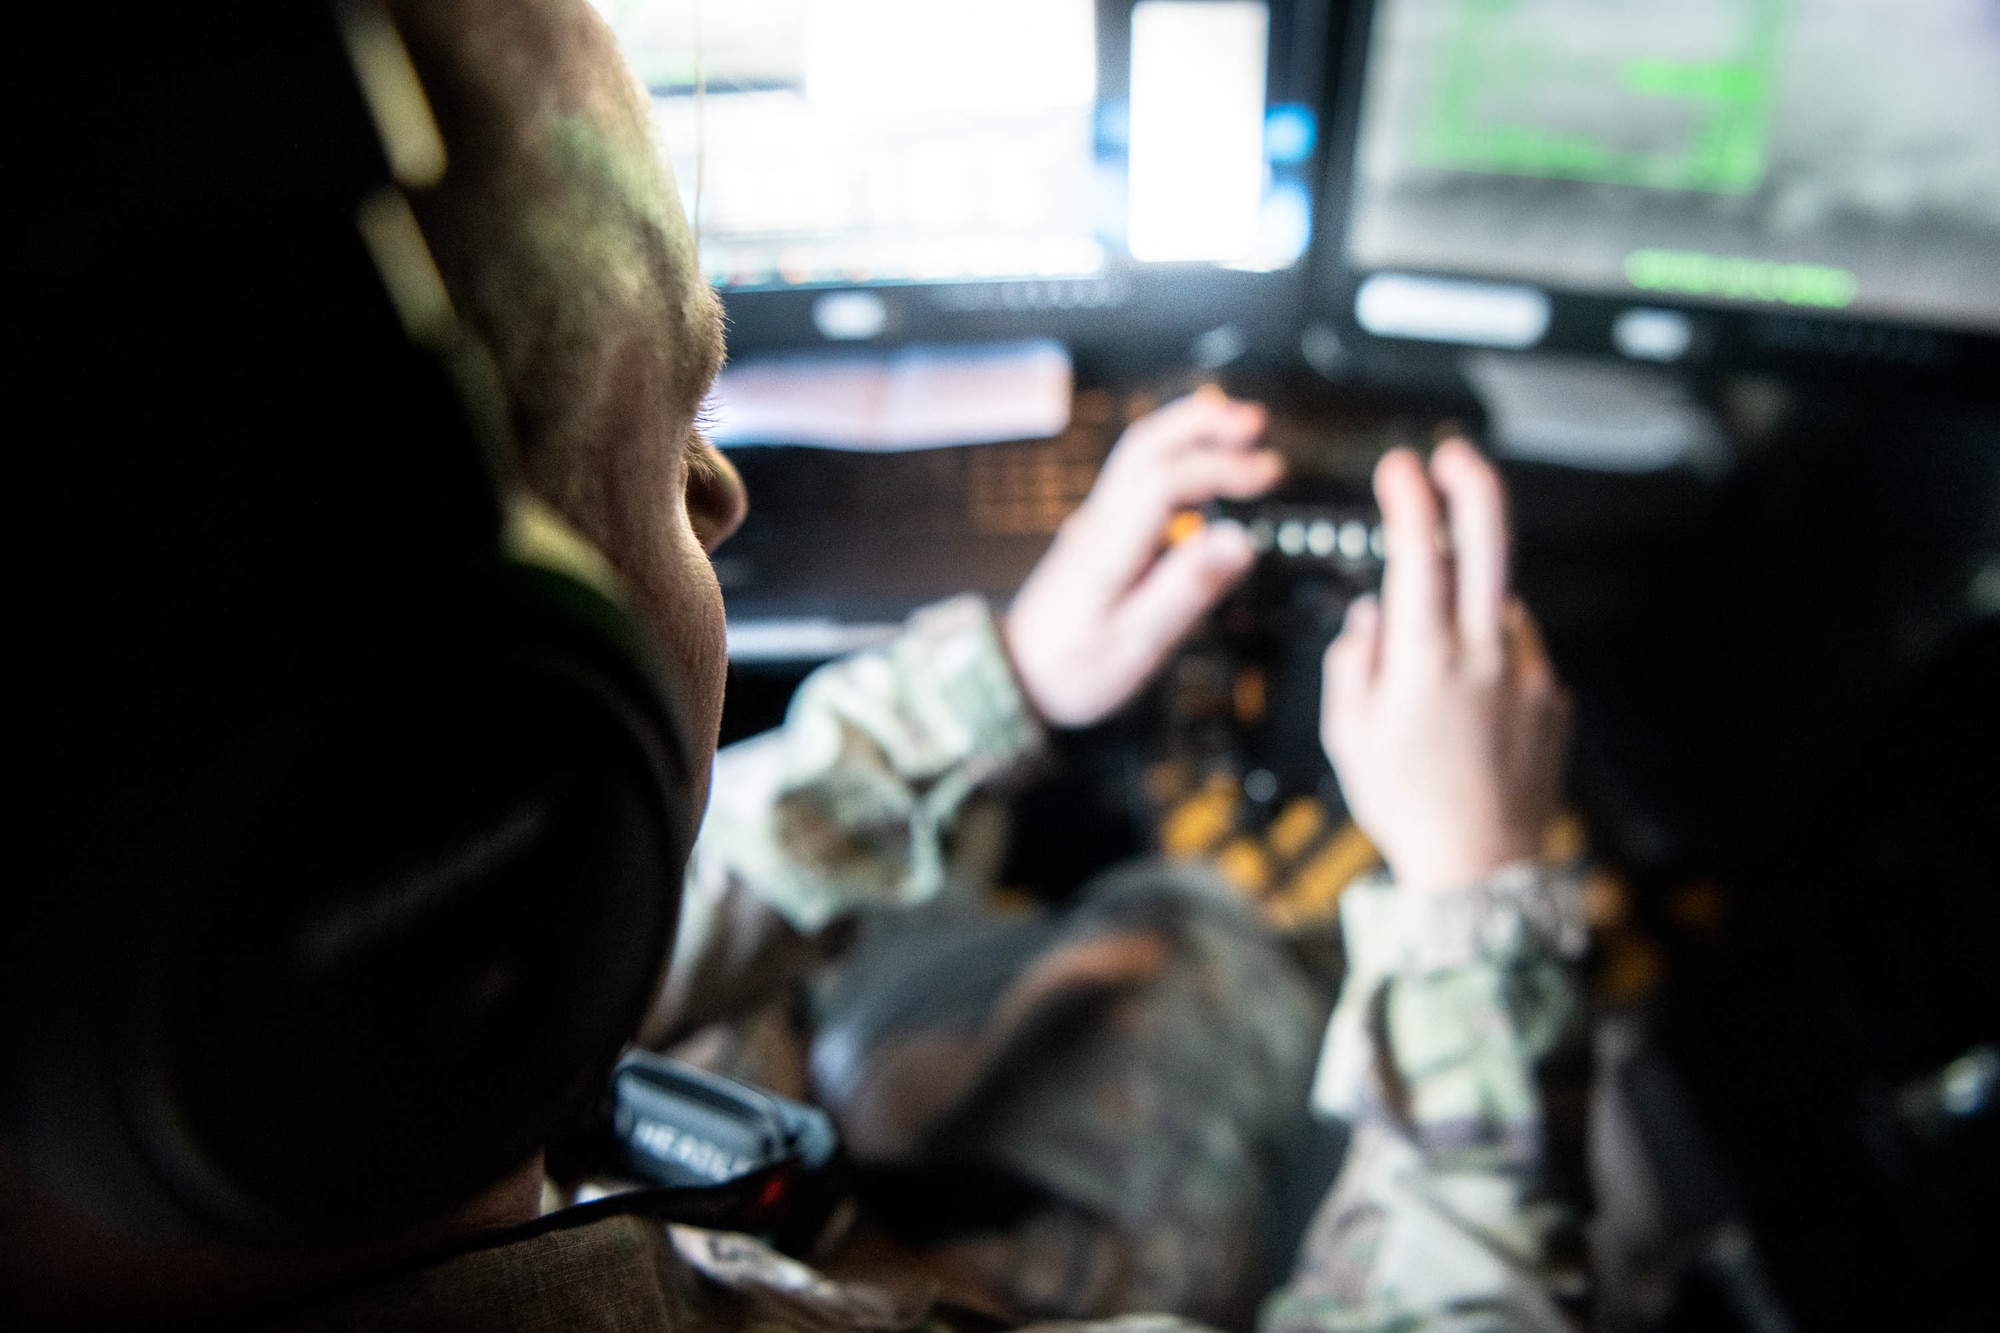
pixel 564 246
pixel 564 242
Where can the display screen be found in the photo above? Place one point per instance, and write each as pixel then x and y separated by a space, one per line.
pixel 852 142
pixel 1833 156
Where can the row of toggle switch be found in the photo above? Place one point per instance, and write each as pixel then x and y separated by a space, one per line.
pixel 1304 536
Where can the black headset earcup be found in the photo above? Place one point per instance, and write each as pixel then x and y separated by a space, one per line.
pixel 353 847
pixel 461 974
pixel 417 928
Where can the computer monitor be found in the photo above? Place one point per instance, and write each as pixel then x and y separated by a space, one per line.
pixel 924 169
pixel 1672 179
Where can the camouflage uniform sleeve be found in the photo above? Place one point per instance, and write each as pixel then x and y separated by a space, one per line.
pixel 1459 1052
pixel 845 806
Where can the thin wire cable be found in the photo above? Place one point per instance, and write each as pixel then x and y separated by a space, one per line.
pixel 700 137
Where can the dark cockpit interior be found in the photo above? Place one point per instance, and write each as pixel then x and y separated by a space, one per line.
pixel 1717 283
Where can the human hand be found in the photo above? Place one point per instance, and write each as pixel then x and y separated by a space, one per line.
pixel 1106 604
pixel 1441 712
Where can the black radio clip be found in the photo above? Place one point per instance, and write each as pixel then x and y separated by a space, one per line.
pixel 710 1150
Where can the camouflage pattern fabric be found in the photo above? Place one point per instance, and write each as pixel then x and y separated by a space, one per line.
pixel 849 805
pixel 1141 1059
pixel 1166 1115
pixel 627 1274
pixel 1459 1049
pixel 845 806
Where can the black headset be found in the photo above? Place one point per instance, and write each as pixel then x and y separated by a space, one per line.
pixel 357 804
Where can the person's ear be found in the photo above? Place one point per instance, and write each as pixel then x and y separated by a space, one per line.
pixel 716 500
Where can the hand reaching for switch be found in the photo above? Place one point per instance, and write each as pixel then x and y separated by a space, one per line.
pixel 1111 600
pixel 1441 712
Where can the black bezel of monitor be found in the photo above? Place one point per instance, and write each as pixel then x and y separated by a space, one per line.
pixel 1727 337
pixel 1130 310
